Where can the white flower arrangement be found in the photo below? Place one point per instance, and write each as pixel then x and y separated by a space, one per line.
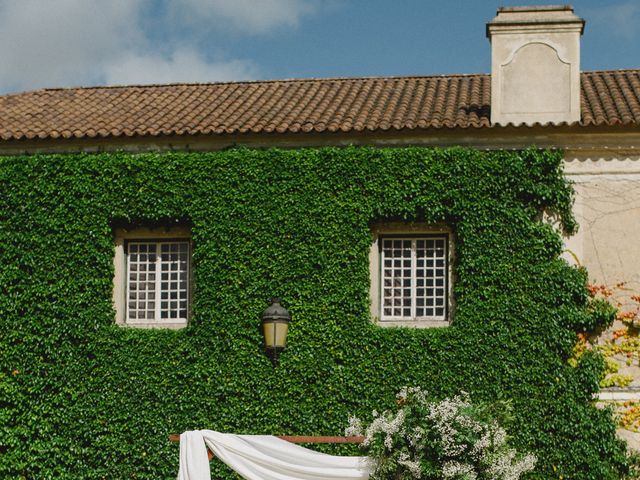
pixel 447 440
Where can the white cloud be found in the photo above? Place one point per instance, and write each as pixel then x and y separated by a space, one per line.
pixel 621 19
pixel 62 42
pixel 183 65
pixel 54 43
pixel 250 16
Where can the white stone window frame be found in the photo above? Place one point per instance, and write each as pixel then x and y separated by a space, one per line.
pixel 401 230
pixel 124 236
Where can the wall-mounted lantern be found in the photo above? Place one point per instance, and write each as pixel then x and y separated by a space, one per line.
pixel 275 325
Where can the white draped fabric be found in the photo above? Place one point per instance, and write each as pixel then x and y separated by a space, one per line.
pixel 263 457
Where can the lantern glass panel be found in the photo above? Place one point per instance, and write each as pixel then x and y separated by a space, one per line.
pixel 281 329
pixel 275 334
pixel 269 334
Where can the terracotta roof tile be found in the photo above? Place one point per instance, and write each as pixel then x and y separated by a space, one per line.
pixel 314 105
pixel 611 97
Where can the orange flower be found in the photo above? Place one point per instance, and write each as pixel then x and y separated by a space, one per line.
pixel 619 333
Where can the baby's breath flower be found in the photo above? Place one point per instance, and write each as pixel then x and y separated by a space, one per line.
pixel 458 471
pixel 414 466
pixel 354 428
pixel 447 435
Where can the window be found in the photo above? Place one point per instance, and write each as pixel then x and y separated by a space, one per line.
pixel 411 275
pixel 153 277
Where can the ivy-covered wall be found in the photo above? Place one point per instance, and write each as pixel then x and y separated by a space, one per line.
pixel 83 398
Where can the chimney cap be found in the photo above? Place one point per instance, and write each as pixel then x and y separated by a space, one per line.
pixel 535 8
pixel 530 16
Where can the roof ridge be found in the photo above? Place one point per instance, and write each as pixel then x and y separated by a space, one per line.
pixel 285 80
pixel 611 70
pixel 248 82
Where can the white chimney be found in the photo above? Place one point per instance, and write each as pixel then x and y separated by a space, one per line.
pixel 535 65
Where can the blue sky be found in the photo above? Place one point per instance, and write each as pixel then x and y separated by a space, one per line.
pixel 62 43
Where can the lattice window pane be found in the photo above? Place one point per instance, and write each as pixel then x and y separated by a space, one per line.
pixel 431 275
pixel 396 291
pixel 158 281
pixel 142 261
pixel 414 278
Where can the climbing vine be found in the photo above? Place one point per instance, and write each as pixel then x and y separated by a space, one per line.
pixel 81 397
pixel 619 346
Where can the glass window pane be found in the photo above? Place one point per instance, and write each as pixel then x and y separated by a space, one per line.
pixel 142 282
pixel 414 267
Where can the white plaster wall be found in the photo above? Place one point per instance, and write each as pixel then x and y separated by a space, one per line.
pixel 544 89
pixel 607 207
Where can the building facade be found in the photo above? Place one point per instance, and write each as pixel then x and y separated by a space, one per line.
pixel 162 233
